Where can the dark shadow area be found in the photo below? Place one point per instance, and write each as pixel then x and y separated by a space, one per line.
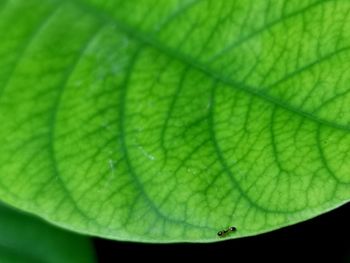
pixel 323 239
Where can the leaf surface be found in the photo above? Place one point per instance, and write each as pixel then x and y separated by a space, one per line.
pixel 164 121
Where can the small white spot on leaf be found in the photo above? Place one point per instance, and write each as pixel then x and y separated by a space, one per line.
pixel 111 166
pixel 146 154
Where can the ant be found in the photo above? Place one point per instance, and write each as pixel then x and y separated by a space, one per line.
pixel 224 232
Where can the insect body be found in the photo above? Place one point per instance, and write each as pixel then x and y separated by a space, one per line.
pixel 224 232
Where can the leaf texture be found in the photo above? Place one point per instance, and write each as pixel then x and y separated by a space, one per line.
pixel 166 121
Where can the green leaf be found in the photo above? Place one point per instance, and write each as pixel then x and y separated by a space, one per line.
pixel 164 121
pixel 24 238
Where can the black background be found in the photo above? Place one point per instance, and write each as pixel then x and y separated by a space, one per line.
pixel 325 238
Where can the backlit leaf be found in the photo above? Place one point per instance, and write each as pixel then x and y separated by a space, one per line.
pixel 163 121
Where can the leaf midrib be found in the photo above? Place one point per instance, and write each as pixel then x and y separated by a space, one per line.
pixel 191 62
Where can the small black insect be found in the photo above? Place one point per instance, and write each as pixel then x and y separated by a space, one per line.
pixel 224 232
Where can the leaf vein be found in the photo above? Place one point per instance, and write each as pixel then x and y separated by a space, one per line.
pixel 148 39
